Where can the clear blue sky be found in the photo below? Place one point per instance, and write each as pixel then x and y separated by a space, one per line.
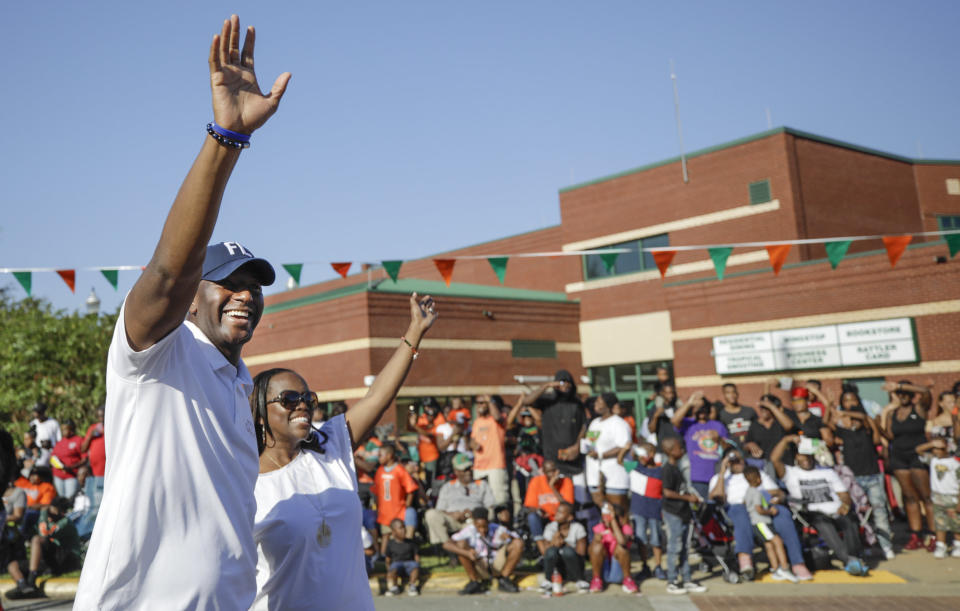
pixel 414 127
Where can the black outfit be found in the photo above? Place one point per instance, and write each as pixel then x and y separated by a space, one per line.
pixel 672 479
pixel 765 438
pixel 665 428
pixel 738 424
pixel 809 428
pixel 564 559
pixel 827 529
pixel 859 453
pixel 562 421
pixel 907 435
pixel 401 551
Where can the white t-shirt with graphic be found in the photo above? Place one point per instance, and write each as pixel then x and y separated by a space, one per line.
pixel 817 488
pixel 604 435
pixel 945 475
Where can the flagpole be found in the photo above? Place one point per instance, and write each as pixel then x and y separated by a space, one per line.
pixel 676 110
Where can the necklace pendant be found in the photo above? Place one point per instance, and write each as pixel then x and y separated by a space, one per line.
pixel 324 534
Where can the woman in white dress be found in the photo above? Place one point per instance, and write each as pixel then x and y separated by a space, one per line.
pixel 308 520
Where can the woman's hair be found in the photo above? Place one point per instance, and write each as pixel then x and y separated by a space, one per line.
pixel 258 405
pixel 859 406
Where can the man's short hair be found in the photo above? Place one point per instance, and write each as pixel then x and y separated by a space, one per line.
pixel 396 522
pixel 479 513
pixel 729 385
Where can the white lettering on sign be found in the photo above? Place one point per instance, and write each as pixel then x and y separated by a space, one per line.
pixel 846 345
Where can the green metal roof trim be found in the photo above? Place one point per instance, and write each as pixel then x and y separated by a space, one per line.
pixel 767 270
pixel 760 136
pixel 406 286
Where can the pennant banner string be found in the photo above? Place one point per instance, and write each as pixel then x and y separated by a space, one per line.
pixel 803 241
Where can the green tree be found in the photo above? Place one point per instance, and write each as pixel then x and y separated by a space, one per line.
pixel 52 356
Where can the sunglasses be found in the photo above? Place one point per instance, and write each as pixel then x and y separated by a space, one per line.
pixel 290 399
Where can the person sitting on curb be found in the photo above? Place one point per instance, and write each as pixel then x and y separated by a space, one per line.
pixel 545 492
pixel 56 544
pixel 486 549
pixel 457 499
pixel 825 501
pixel 610 550
pixel 564 549
pixel 401 557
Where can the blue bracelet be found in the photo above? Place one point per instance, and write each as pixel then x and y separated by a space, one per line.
pixel 226 133
pixel 215 132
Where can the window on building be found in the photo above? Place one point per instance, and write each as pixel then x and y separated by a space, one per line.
pixel 946 222
pixel 633 383
pixel 635 260
pixel 953 186
pixel 760 192
pixel 534 349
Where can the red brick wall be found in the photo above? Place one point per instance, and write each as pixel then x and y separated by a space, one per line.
pixel 932 192
pixel 848 192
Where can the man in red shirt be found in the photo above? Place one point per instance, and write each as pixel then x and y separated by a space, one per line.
pixel 95 447
pixel 487 442
pixel 66 459
pixel 394 490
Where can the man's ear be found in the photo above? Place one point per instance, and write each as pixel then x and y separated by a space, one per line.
pixel 194 307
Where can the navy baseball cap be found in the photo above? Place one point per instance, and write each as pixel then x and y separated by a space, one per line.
pixel 225 258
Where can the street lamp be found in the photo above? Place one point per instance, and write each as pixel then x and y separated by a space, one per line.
pixel 93 302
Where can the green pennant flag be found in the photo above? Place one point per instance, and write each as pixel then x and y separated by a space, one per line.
pixel 294 270
pixel 499 265
pixel 953 243
pixel 609 259
pixel 112 276
pixel 25 279
pixel 392 268
pixel 836 251
pixel 719 256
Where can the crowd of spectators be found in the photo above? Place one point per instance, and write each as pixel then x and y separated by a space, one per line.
pixel 799 479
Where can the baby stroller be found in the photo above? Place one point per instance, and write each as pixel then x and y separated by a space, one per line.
pixel 712 537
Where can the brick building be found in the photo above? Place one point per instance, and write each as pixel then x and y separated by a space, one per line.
pixel 617 326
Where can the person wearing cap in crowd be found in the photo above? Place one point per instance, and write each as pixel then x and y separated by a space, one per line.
pixel 457 499
pixel 488 442
pixel 48 430
pixel 308 513
pixel 174 529
pixel 824 501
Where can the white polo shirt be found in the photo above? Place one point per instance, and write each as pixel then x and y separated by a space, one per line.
pixel 310 553
pixel 175 528
pixel 735 486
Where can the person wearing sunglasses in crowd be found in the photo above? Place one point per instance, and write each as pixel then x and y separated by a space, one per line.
pixel 174 525
pixel 308 520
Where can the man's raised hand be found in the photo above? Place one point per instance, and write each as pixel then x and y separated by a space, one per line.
pixel 238 104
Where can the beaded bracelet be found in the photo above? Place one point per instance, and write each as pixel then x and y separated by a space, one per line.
pixel 228 138
pixel 416 352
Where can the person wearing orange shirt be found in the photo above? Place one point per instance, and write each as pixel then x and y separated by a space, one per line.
pixel 545 492
pixel 40 493
pixel 426 427
pixel 460 412
pixel 394 490
pixel 487 440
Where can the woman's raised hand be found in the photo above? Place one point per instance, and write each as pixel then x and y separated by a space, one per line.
pixel 238 104
pixel 423 313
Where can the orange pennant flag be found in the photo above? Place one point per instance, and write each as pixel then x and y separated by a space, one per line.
pixel 778 254
pixel 895 246
pixel 70 277
pixel 341 268
pixel 663 259
pixel 445 267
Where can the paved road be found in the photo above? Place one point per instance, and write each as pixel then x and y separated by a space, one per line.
pixel 47 604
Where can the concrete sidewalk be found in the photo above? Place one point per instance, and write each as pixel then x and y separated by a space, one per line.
pixel 915 573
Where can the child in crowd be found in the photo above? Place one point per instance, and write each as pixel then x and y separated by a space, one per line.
pixel 646 493
pixel 564 548
pixel 677 516
pixel 610 550
pixel 761 517
pixel 484 549
pixel 945 494
pixel 402 557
